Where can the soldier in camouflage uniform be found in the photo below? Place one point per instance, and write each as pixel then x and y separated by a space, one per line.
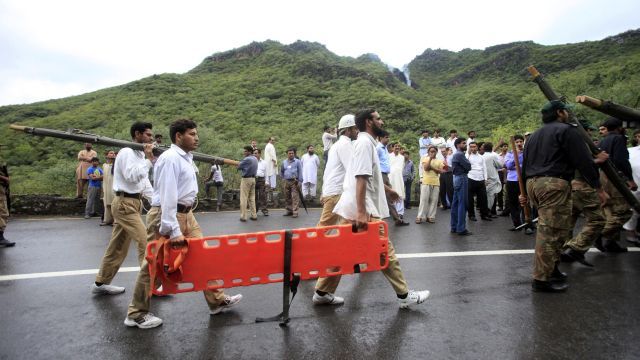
pixel 551 156
pixel 617 211
pixel 584 200
pixel 4 203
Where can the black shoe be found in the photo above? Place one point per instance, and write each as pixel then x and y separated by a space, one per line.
pixel 547 286
pixel 571 255
pixel 515 228
pixel 557 275
pixel 614 247
pixel 472 218
pixel 287 214
pixel 633 240
pixel 453 231
pixel 402 223
pixel 598 244
pixel 485 218
pixel 493 216
pixel 6 243
pixel 265 212
pixel 465 233
pixel 254 218
pixel 504 213
pixel 528 231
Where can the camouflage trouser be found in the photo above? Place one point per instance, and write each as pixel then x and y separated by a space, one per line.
pixel 585 200
pixel 552 197
pixel 617 211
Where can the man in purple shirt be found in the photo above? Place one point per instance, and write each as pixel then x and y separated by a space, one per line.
pixel 513 189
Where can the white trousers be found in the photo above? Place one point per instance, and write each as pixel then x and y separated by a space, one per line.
pixel 428 201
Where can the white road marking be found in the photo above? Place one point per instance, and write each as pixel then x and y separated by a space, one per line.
pixel 400 256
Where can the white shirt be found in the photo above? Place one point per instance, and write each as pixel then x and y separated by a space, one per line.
pixel 634 160
pixel 337 165
pixel 131 173
pixel 364 162
pixel 175 183
pixel 270 157
pixel 262 168
pixel 217 173
pixel 328 140
pixel 310 165
pixel 478 170
pixel 492 164
pixel 450 143
pixel 437 141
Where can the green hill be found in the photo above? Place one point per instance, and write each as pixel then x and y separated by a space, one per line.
pixel 291 91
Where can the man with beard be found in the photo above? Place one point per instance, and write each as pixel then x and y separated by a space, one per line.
pixel 385 168
pixel 461 167
pixel 364 200
pixel 291 173
pixel 171 217
pixel 310 163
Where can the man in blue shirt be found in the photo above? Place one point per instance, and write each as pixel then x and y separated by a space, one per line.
pixel 291 172
pixel 385 168
pixel 461 167
pixel 248 168
pixel 95 187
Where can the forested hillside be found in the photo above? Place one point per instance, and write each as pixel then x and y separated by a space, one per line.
pixel 291 91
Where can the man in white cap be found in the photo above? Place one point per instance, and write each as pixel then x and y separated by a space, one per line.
pixel 337 164
pixel 364 199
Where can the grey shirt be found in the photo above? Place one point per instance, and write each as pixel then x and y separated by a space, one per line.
pixel 248 166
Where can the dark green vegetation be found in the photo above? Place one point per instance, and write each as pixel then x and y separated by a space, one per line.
pixel 291 91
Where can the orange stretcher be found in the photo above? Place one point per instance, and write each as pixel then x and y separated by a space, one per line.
pixel 267 257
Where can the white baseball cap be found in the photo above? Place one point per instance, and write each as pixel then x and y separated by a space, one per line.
pixel 347 121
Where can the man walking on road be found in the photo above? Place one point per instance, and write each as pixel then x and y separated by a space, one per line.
pixel 130 183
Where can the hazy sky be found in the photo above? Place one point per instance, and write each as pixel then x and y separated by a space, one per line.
pixel 53 49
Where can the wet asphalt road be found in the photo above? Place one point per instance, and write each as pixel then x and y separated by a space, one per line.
pixel 481 307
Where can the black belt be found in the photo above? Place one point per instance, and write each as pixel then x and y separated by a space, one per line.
pixel 127 195
pixel 248 177
pixel 184 209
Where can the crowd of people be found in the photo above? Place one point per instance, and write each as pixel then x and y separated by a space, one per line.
pixel 550 174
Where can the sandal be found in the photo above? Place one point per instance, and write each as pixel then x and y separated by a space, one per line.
pixel 418 221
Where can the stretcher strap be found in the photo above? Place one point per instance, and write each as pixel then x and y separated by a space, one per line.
pixel 161 262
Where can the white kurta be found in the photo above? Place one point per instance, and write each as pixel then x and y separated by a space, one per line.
pixel 396 163
pixel 310 165
pixel 269 157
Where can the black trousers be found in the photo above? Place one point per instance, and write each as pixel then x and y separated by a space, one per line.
pixel 479 190
pixel 513 191
pixel 446 189
pixel 407 193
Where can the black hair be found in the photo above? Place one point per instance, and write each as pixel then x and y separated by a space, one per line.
pixel 308 146
pixel 140 127
pixel 518 137
pixel 249 149
pixel 258 150
pixel 458 141
pixel 362 117
pixel 326 127
pixel 292 149
pixel 180 126
pixel 95 158
pixel 453 131
pixel 383 133
pixel 488 146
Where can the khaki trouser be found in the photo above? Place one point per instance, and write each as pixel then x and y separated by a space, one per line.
pixel 128 226
pixel 140 303
pixel 4 209
pixel 328 217
pixel 248 195
pixel 552 197
pixel 291 196
pixel 585 200
pixel 616 211
pixel 428 201
pixel 393 273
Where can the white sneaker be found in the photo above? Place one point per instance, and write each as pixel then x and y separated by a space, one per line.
pixel 106 289
pixel 414 297
pixel 228 302
pixel 327 299
pixel 147 321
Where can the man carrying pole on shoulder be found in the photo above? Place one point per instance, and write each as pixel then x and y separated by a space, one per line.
pixel 176 187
